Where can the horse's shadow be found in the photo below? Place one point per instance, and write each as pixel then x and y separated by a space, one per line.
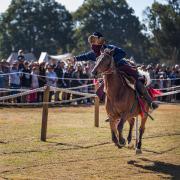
pixel 159 167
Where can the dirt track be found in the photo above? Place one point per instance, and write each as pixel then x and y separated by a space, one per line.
pixel 76 150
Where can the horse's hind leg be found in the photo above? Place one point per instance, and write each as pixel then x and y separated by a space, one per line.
pixel 122 141
pixel 141 132
pixel 131 125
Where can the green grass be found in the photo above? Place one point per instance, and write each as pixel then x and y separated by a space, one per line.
pixel 75 149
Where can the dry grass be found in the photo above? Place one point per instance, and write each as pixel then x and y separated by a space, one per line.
pixel 75 150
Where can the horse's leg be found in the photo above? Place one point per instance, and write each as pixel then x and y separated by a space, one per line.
pixel 122 141
pixel 131 125
pixel 114 132
pixel 141 132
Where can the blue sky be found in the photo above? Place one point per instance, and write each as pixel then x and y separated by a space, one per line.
pixel 72 5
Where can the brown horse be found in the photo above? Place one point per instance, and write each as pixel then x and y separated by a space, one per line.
pixel 121 102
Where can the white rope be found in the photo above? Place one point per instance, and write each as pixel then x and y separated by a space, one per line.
pixel 20 94
pixel 72 92
pixel 165 79
pixel 7 74
pixel 41 103
pixel 173 87
pixel 168 93
pixel 5 90
pixel 78 87
pixel 73 79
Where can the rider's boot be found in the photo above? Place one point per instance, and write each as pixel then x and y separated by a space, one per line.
pixel 143 91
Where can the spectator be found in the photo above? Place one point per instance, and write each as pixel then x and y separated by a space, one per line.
pixel 21 60
pixel 42 80
pixel 26 80
pixel 59 70
pixel 34 84
pixel 51 79
pixel 14 79
pixel 78 74
pixel 2 80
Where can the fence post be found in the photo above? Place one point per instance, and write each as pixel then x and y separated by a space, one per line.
pixel 136 131
pixel 96 114
pixel 45 113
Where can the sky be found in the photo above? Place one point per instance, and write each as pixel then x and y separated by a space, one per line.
pixel 72 5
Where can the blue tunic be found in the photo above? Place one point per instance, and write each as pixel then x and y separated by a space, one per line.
pixel 118 56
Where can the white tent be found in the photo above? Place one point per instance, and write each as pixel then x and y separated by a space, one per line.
pixel 13 57
pixel 61 57
pixel 43 57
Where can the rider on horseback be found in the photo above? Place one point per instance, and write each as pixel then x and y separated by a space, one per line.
pixel 97 42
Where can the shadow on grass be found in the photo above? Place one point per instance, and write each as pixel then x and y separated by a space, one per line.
pixel 159 167
pixel 74 146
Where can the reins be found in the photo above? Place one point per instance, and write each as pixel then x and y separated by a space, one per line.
pixel 111 69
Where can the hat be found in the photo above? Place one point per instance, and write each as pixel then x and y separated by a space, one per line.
pixel 98 34
pixel 96 37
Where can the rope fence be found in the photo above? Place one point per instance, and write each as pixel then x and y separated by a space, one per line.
pixel 87 79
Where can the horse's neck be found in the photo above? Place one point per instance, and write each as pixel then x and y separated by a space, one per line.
pixel 113 84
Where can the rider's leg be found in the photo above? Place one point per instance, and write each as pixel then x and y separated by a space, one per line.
pixel 143 91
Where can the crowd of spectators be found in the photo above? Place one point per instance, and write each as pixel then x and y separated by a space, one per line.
pixel 22 74
pixel 164 77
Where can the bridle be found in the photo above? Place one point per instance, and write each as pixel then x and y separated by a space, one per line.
pixel 111 69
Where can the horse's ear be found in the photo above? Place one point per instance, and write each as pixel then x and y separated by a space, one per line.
pixel 111 53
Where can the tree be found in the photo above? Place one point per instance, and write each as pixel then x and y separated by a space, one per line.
pixel 42 25
pixel 116 20
pixel 164 23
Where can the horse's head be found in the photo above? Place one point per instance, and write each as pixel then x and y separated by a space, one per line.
pixel 105 63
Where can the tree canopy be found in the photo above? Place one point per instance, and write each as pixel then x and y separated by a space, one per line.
pixel 46 25
pixel 116 20
pixel 43 25
pixel 164 23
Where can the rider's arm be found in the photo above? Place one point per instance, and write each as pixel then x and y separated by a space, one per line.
pixel 86 57
pixel 118 52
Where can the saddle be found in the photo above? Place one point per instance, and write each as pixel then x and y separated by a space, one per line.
pixel 130 81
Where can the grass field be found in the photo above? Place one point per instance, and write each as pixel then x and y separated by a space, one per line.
pixel 76 150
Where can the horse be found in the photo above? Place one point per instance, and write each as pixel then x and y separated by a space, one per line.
pixel 120 100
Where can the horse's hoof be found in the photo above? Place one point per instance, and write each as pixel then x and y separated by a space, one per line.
pixel 130 145
pixel 138 151
pixel 122 142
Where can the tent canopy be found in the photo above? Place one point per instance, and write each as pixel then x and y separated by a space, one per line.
pixel 44 57
pixel 14 57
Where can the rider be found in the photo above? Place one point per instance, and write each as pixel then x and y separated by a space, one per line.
pixel 97 43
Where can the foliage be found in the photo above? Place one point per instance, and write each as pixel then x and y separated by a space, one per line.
pixel 116 20
pixel 164 23
pixel 43 25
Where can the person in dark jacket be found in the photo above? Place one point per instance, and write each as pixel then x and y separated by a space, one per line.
pixel 26 76
pixel 42 80
pixel 97 43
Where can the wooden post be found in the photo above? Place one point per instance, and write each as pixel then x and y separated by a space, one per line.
pixel 136 131
pixel 96 113
pixel 45 114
